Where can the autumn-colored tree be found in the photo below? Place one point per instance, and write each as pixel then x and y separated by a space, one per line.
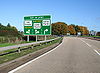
pixel 74 29
pixel 71 30
pixel 86 31
pixel 59 28
pixel 83 30
pixel 77 29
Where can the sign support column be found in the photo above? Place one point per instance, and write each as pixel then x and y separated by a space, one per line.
pixel 45 38
pixel 36 38
pixel 27 38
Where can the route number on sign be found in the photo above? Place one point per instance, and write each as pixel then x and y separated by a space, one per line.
pixel 28 23
pixel 37 25
pixel 46 23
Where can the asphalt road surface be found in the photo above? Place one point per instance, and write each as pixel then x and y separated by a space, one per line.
pixel 74 55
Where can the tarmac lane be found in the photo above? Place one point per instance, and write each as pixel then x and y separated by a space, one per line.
pixel 73 55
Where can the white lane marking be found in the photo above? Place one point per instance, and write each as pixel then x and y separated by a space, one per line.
pixel 33 60
pixel 86 43
pixel 96 51
pixel 90 46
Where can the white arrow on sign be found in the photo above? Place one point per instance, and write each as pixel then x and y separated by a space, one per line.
pixel 28 31
pixel 36 31
pixel 45 30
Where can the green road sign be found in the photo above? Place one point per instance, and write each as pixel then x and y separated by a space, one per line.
pixel 37 25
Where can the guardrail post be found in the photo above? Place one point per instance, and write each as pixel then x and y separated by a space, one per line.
pixel 32 46
pixel 19 50
pixel 50 42
pixel 46 43
pixel 40 44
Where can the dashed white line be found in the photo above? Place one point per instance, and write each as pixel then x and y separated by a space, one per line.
pixel 33 60
pixel 96 51
pixel 90 46
pixel 86 43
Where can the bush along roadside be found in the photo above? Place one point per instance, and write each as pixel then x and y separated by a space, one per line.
pixel 12 54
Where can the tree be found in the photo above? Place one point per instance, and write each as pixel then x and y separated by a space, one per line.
pixel 59 28
pixel 0 24
pixel 14 28
pixel 98 34
pixel 84 30
pixel 71 29
pixel 77 29
pixel 73 25
pixel 8 25
pixel 9 31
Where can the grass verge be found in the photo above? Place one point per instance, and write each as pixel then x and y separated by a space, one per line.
pixel 6 44
pixel 10 44
pixel 89 36
pixel 13 56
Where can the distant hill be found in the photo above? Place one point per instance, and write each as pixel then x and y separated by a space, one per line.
pixel 9 31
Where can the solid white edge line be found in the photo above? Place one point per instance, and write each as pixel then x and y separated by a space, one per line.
pixel 86 43
pixel 12 71
pixel 96 51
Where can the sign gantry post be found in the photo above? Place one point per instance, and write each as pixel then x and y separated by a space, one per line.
pixel 27 38
pixel 37 25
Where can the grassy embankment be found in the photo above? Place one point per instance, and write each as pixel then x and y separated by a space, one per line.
pixel 90 36
pixel 11 44
pixel 21 42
